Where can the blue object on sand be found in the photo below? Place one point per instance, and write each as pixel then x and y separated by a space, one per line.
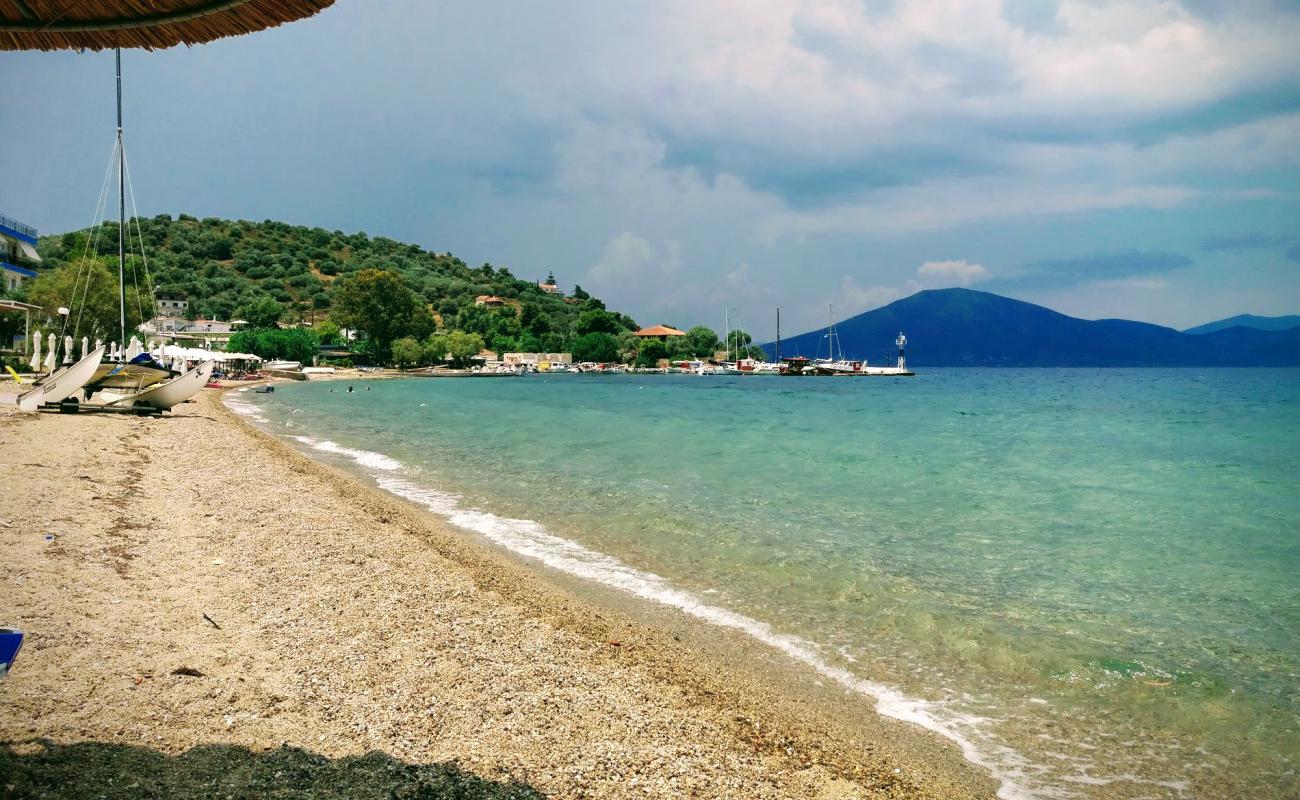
pixel 11 641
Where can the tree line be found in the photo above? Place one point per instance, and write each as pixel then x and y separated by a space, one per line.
pixel 296 287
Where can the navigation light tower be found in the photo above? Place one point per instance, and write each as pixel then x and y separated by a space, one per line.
pixel 901 341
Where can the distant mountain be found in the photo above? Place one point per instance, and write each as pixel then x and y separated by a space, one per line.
pixel 961 327
pixel 1249 321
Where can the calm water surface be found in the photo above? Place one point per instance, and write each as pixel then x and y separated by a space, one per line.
pixel 1089 578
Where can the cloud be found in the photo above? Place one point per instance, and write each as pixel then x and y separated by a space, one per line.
pixel 855 298
pixel 958 203
pixel 685 153
pixel 948 273
pixel 627 256
pixel 1116 268
pixel 1252 241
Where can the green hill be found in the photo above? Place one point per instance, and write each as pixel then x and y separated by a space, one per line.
pixel 223 266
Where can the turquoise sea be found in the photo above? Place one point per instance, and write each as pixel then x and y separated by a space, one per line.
pixel 1090 579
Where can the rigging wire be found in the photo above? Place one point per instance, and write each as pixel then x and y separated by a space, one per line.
pixel 135 215
pixel 91 244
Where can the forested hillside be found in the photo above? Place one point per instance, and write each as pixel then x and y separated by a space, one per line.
pixel 229 269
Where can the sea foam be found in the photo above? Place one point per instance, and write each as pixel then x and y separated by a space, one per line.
pixel 530 539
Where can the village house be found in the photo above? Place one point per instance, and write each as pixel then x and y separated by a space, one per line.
pixel 661 332
pixel 171 304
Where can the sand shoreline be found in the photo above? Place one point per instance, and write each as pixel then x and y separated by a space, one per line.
pixel 353 622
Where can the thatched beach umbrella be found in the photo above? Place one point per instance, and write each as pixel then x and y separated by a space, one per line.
pixel 147 24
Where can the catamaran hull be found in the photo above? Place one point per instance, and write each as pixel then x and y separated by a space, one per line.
pixel 174 392
pixel 62 384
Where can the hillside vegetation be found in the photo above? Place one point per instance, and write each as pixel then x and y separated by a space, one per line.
pixel 234 269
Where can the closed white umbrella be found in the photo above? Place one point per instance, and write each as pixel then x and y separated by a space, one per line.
pixel 36 354
pixel 85 346
pixel 50 356
pixel 67 349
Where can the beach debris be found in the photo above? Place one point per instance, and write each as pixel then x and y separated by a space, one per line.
pixel 189 672
pixel 49 537
pixel 216 562
pixel 6 523
pixel 212 622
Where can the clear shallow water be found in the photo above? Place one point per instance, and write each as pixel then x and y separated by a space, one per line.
pixel 1089 578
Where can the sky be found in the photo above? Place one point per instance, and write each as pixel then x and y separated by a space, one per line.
pixel 681 157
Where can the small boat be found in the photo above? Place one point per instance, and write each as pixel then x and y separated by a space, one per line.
pixel 152 387
pixel 135 373
pixel 840 366
pixel 287 366
pixel 164 396
pixel 62 384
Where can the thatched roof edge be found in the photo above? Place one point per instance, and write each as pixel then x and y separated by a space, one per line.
pixel 104 24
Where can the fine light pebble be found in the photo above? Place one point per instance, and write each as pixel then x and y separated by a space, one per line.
pixel 354 623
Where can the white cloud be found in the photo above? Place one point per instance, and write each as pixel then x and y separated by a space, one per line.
pixel 829 79
pixel 854 298
pixel 958 272
pixel 625 256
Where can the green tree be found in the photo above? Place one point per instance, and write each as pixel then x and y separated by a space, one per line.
pixel 628 344
pixel 328 332
pixel 90 292
pixel 407 351
pixel 463 346
pixel 596 320
pixel 380 303
pixel 599 347
pixel 290 344
pixel 261 314
pixel 701 341
pixel 435 348
pixel 651 351
pixel 740 345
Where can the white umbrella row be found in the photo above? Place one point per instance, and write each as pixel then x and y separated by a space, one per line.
pixel 199 354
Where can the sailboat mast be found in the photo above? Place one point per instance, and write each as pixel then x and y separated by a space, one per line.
pixel 726 323
pixel 778 333
pixel 121 206
pixel 830 335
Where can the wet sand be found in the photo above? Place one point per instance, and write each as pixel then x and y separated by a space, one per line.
pixel 210 613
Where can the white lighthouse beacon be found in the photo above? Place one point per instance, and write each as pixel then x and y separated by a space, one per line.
pixel 901 341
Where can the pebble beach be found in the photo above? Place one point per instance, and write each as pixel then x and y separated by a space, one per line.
pixel 210 613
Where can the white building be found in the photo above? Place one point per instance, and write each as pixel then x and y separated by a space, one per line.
pixel 533 359
pixel 171 304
